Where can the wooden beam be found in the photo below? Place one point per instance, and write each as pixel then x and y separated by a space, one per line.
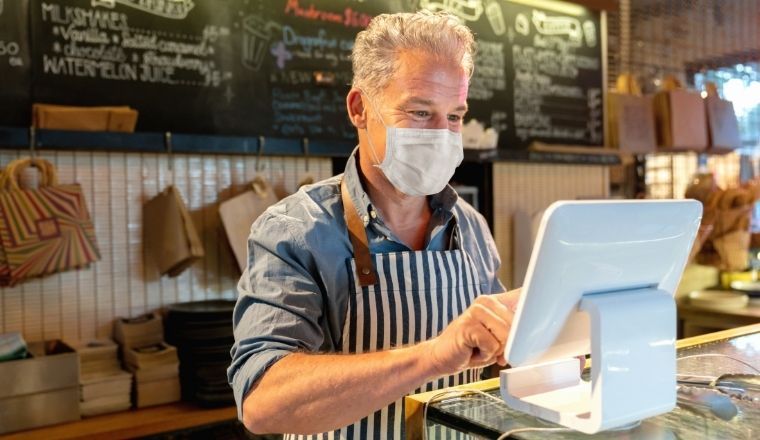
pixel 599 5
pixel 131 424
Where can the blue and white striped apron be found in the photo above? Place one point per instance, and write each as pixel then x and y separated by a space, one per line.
pixel 416 295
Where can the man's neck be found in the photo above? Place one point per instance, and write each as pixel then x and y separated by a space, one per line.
pixel 408 217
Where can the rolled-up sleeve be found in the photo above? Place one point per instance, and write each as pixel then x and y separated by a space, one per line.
pixel 279 304
pixel 495 285
pixel 482 248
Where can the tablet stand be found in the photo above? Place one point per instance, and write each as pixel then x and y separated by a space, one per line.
pixel 633 372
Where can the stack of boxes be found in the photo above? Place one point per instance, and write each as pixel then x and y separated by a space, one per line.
pixel 104 386
pixel 41 389
pixel 154 363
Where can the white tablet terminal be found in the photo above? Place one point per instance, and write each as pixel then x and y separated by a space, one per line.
pixel 600 280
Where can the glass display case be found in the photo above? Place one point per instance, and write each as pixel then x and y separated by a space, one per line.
pixel 729 410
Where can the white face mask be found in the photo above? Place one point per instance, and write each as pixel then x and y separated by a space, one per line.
pixel 419 161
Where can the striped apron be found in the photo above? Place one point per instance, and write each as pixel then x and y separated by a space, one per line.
pixel 398 299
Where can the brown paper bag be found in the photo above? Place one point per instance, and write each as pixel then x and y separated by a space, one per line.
pixel 62 117
pixel 681 118
pixel 169 234
pixel 722 124
pixel 733 249
pixel 630 118
pixel 721 121
pixel 238 214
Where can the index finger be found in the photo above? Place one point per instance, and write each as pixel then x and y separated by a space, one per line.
pixel 509 299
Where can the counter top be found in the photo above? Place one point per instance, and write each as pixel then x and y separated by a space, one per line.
pixel 490 418
pixel 131 424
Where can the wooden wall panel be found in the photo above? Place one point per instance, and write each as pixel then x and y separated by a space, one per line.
pixel 531 188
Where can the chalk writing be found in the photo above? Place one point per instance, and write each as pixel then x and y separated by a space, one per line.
pixel 568 27
pixel 594 98
pixel 310 112
pixel 468 10
pixel 348 17
pixel 499 120
pixel 281 54
pixel 550 101
pixel 12 50
pixel 296 77
pixel 94 43
pixel 9 48
pixel 489 73
pixel 174 9
pixel 84 18
pixel 317 46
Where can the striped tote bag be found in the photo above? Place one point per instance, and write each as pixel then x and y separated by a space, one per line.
pixel 43 230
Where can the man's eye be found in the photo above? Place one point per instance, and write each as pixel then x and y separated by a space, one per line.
pixel 420 113
pixel 454 118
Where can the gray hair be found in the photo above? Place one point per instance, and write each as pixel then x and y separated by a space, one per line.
pixel 377 47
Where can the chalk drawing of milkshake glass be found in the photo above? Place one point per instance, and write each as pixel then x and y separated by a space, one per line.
pixel 256 36
pixel 496 17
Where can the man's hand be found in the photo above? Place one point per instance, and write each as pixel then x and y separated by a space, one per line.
pixel 477 337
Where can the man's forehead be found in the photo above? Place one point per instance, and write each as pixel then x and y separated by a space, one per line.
pixel 421 73
pixel 430 87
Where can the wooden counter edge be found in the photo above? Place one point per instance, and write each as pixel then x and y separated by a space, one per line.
pixel 132 423
pixel 718 336
pixel 414 404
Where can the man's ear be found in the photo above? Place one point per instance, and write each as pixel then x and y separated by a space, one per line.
pixel 356 110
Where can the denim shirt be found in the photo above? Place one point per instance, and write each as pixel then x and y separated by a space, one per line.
pixel 294 294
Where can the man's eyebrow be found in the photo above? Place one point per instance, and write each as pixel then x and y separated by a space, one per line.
pixel 417 100
pixel 428 102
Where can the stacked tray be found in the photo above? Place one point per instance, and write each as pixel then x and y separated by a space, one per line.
pixel 202 333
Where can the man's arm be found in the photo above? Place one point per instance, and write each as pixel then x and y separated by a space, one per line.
pixel 305 394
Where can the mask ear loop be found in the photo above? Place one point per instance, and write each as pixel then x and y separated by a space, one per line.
pixel 366 129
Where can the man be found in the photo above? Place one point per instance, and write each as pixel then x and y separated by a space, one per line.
pixel 371 285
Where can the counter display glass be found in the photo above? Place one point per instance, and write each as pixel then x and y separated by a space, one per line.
pixel 701 413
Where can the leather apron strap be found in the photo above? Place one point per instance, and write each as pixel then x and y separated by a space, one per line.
pixel 365 268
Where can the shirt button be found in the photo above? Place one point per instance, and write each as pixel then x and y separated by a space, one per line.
pixel 373 214
pixel 365 271
pixel 366 219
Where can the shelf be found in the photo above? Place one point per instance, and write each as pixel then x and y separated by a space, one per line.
pixel 153 142
pixel 547 157
pixel 711 151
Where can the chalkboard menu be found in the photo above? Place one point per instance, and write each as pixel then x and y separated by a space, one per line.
pixel 14 63
pixel 282 67
pixel 538 73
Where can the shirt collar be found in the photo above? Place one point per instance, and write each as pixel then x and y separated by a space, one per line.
pixel 444 200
